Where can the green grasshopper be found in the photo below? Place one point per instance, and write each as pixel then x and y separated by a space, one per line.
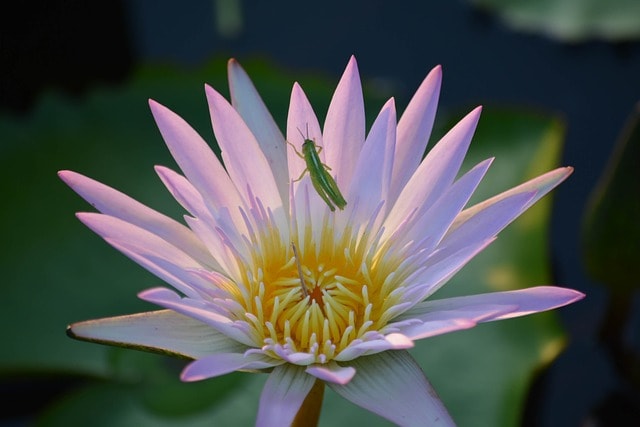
pixel 322 181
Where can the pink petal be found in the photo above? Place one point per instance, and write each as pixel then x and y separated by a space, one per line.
pixel 488 222
pixel 218 244
pixel 436 172
pixel 159 265
pixel 218 364
pixel 393 386
pixel 332 372
pixel 414 129
pixel 282 396
pixel 539 186
pixel 116 204
pixel 344 127
pixel 141 246
pixel 162 331
pixel 249 104
pixel 182 190
pixel 199 164
pixel 251 174
pixel 432 225
pixel 372 172
pixel 497 305
pixel 439 268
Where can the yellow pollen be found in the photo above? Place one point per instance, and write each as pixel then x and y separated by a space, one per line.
pixel 313 297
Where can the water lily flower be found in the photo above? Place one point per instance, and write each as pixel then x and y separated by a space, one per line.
pixel 266 277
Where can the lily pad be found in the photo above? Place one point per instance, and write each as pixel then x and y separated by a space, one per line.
pixel 570 20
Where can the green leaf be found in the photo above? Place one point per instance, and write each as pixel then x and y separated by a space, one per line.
pixel 611 228
pixel 570 20
pixel 156 397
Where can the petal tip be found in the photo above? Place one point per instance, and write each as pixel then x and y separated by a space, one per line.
pixel 66 176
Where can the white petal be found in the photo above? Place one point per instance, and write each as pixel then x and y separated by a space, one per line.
pixel 249 104
pixel 432 327
pixel 198 310
pixel 393 386
pixel 414 129
pixel 436 172
pixel 199 164
pixel 344 128
pixel 282 396
pixel 224 363
pixel 162 331
pixel 332 372
pixel 393 341
pixel 116 204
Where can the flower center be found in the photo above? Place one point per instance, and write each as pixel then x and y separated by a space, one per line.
pixel 306 303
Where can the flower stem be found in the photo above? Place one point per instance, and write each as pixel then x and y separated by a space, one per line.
pixel 309 412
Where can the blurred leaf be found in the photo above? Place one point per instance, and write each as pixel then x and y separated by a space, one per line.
pixel 570 20
pixel 155 399
pixel 59 272
pixel 611 228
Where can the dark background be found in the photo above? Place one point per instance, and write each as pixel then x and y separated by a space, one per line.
pixel 72 46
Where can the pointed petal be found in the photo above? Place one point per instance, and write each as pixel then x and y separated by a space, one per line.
pixel 282 396
pixel 393 386
pixel 439 268
pixel 414 129
pixel 182 190
pixel 344 127
pixel 159 265
pixel 539 186
pixel 218 364
pixel 206 221
pixel 200 310
pixel 372 172
pixel 116 204
pixel 332 372
pixel 162 331
pixel 437 218
pixel 215 242
pixel 141 246
pixel 436 172
pixel 488 222
pixel 249 104
pixel 495 306
pixel 433 327
pixel 252 175
pixel 199 164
